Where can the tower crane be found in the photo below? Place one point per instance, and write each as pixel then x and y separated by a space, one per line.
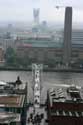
pixel 57 7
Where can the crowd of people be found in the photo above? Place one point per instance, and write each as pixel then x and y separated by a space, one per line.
pixel 35 119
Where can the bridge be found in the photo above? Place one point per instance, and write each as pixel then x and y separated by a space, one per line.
pixel 37 83
pixel 36 114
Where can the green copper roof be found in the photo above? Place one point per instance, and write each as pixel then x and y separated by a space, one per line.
pixel 42 43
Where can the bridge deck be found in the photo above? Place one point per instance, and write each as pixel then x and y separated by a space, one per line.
pixel 38 111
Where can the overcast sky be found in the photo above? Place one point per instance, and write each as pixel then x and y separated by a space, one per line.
pixel 22 10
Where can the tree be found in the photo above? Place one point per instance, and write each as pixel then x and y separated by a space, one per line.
pixel 51 63
pixel 10 57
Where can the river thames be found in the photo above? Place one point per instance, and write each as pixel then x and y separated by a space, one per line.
pixel 49 79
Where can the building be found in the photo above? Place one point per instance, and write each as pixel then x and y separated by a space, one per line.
pixel 44 48
pixel 77 36
pixel 67 36
pixel 7 42
pixel 13 100
pixel 36 19
pixel 36 15
pixel 38 50
pixel 65 105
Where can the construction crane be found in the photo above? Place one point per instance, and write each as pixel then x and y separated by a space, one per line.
pixel 57 7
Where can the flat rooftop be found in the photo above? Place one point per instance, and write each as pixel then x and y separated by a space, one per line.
pixel 69 94
pixel 12 88
pixel 8 117
pixel 12 100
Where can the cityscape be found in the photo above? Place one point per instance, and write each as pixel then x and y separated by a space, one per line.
pixel 41 63
pixel 41 43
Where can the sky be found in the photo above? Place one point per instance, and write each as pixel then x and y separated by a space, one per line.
pixel 22 10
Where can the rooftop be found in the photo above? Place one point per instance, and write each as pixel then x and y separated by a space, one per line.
pixel 65 94
pixel 40 43
pixel 12 100
pixel 8 117
pixel 52 40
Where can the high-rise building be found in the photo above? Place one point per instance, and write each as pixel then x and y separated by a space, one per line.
pixel 36 16
pixel 67 35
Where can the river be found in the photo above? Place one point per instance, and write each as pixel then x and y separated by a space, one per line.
pixel 49 79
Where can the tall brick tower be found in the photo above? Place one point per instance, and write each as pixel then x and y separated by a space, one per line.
pixel 67 36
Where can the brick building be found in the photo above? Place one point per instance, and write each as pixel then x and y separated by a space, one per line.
pixel 44 49
pixel 65 105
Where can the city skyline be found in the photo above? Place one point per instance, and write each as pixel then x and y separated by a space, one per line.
pixel 22 10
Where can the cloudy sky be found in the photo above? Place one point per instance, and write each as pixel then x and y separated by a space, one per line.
pixel 22 10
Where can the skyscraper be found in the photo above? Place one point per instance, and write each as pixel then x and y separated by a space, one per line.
pixel 36 16
pixel 67 35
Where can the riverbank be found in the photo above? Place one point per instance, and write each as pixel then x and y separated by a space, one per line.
pixel 45 69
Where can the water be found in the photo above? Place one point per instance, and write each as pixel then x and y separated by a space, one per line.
pixel 49 79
